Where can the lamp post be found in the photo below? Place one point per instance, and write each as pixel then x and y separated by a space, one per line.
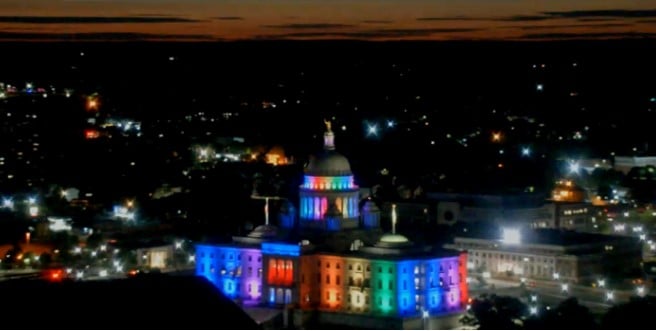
pixel 424 318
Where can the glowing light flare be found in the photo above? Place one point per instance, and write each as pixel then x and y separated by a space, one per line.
pixel 526 151
pixel 610 296
pixel 372 130
pixel 496 136
pixel 574 167
pixel 564 287
pixel 91 134
pixel 92 103
pixel 533 310
pixel 511 236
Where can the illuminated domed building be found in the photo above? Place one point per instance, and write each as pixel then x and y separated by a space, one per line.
pixel 335 265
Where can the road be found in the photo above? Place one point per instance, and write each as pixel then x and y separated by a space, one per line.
pixel 598 300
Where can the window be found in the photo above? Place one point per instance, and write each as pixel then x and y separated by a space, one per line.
pixel 357 299
pixel 350 267
pixel 368 268
pixel 259 259
pixel 337 280
pixel 389 270
pixel 318 277
pixel 405 285
pixel 259 272
pixel 366 300
pixel 327 295
pixel 337 266
pixel 328 279
pixel 229 256
pixel 327 264
pixel 380 284
pixel 405 271
pixel 380 270
pixel 250 258
pixel 338 297
pixel 250 271
pixel 302 278
pixel 390 285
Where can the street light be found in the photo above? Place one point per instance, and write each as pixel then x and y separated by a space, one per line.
pixel 533 310
pixel 564 287
pixel 609 296
pixel 534 298
pixel 556 276
pixel 424 316
pixel 602 283
pixel 640 290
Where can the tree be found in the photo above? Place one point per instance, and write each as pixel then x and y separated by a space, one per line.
pixel 632 315
pixel 569 315
pixel 496 312
pixel 94 240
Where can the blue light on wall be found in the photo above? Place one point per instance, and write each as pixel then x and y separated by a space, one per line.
pixel 281 249
pixel 406 291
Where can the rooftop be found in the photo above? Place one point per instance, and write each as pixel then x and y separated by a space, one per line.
pixel 555 237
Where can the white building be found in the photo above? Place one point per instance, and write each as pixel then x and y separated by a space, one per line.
pixel 547 254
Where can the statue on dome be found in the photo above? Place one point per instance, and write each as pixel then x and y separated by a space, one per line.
pixel 328 125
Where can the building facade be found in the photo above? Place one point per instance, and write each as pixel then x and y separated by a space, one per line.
pixel 549 254
pixel 334 264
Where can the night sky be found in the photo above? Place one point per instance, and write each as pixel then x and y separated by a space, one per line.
pixel 211 20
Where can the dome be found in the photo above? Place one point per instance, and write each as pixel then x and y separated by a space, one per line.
pixel 394 239
pixel 329 163
pixel 264 231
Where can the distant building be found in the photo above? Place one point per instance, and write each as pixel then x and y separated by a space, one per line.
pixel 516 210
pixel 626 163
pixel 548 254
pixel 156 256
pixel 334 265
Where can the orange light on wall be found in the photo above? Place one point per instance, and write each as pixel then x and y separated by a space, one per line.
pixel 331 285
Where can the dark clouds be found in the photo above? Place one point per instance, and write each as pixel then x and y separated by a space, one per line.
pixel 621 13
pixel 600 35
pixel 564 26
pixel 309 26
pixel 451 18
pixel 377 22
pixel 102 36
pixel 370 34
pixel 581 15
pixel 229 18
pixel 93 19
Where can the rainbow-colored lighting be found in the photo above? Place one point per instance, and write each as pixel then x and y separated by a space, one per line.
pixel 357 285
pixel 329 183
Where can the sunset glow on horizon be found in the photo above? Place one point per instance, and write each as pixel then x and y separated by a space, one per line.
pixel 206 20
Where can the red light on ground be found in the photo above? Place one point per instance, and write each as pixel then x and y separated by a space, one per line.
pixel 55 275
pixel 91 134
